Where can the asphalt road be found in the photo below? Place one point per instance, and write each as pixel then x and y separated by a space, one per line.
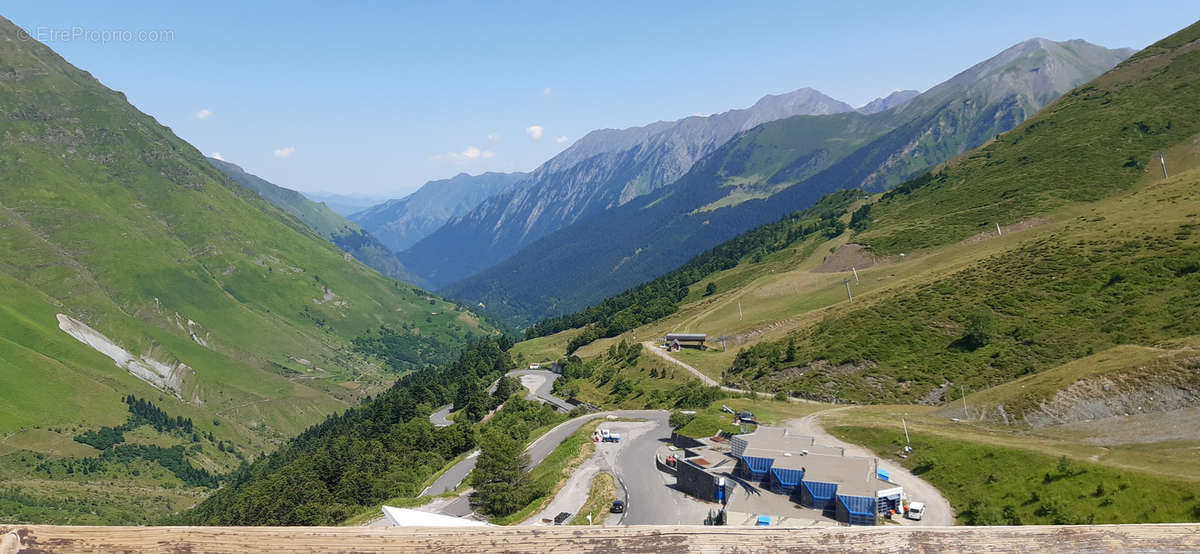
pixel 542 447
pixel 453 477
pixel 575 491
pixel 651 500
pixel 539 382
pixel 541 386
pixel 649 493
pixel 438 418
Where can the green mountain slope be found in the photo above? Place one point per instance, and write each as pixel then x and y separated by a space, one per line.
pixel 317 216
pixel 774 169
pixel 320 218
pixel 130 265
pixel 382 449
pixel 1094 142
pixel 1098 250
pixel 1124 274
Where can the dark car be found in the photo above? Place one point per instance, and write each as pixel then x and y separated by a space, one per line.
pixel 747 417
pixel 618 506
pixel 561 518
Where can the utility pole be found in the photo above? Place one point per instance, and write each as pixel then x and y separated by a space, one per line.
pixel 907 443
pixel 850 296
pixel 998 233
pixel 1163 160
pixel 855 275
pixel 964 397
pixel 739 310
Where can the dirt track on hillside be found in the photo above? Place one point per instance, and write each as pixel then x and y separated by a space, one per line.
pixel 938 509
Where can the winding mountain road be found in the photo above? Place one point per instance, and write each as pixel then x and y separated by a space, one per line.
pixel 539 382
pixel 537 451
pixel 438 418
pixel 650 496
pixel 650 499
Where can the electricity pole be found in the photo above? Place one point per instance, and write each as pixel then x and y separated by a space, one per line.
pixel 964 397
pixel 1163 160
pixel 998 233
pixel 855 275
pixel 850 296
pixel 739 310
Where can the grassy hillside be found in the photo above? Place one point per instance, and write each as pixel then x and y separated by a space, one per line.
pixel 324 221
pixel 234 314
pixel 1119 266
pixel 317 216
pixel 660 297
pixel 994 485
pixel 1115 276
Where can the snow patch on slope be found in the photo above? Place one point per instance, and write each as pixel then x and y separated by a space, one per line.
pixel 159 375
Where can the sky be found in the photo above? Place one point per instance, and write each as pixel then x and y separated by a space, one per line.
pixel 375 98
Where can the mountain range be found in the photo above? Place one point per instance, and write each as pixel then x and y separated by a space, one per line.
pixel 604 169
pixel 771 170
pixel 403 222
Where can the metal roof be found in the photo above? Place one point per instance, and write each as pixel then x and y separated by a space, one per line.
pixel 404 517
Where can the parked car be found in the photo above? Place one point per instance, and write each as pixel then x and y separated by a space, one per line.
pixel 562 518
pixel 747 417
pixel 618 506
pixel 916 511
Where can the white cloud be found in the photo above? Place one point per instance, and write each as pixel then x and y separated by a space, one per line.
pixel 285 152
pixel 561 140
pixel 534 131
pixel 216 156
pixel 546 91
pixel 204 114
pixel 494 137
pixel 472 153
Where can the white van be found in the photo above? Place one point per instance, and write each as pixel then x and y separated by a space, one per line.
pixel 916 511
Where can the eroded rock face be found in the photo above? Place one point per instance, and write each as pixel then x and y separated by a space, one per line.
pixel 171 378
pixel 1122 394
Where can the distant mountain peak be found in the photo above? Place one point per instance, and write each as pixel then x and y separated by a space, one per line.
pixel 1036 70
pixel 802 101
pixel 893 100
pixel 402 222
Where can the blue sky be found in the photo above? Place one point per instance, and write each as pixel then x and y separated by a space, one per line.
pixel 378 97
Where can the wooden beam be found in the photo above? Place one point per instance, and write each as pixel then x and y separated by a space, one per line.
pixel 670 539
